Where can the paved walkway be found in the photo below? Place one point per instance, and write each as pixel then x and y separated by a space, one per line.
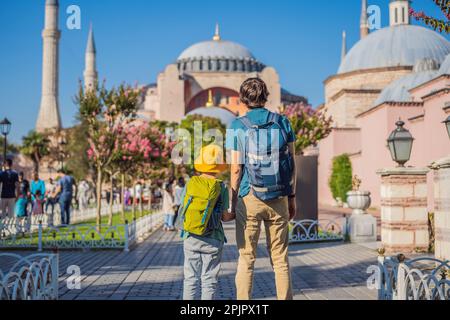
pixel 153 270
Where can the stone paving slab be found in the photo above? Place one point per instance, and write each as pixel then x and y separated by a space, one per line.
pixel 153 270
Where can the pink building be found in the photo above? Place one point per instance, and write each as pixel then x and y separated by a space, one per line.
pixel 399 72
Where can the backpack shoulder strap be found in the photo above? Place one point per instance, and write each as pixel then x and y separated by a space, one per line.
pixel 276 119
pixel 246 122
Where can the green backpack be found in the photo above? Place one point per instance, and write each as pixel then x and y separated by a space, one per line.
pixel 198 204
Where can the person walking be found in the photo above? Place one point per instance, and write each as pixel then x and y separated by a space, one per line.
pixel 168 208
pixel 9 180
pixel 178 192
pixel 21 206
pixel 50 200
pixel 83 190
pixel 65 191
pixel 37 188
pixel 263 187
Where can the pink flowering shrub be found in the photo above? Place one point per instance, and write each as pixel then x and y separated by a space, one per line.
pixel 309 125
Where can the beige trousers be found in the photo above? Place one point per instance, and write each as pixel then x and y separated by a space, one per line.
pixel 275 214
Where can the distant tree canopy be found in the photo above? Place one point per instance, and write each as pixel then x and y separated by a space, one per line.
pixel 10 147
pixel 36 146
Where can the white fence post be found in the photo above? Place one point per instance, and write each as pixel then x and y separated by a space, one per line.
pixel 401 278
pixel 40 236
pixel 127 237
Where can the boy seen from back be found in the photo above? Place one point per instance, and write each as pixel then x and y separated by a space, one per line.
pixel 205 203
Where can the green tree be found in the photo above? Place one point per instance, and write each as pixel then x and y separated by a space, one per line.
pixel 36 146
pixel 77 161
pixel 10 147
pixel 105 113
pixel 196 140
pixel 341 177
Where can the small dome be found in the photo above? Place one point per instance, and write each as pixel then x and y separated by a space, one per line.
pixel 401 45
pixel 225 116
pixel 398 91
pixel 445 67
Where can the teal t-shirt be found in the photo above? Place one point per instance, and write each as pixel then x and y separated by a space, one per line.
pixel 223 203
pixel 236 138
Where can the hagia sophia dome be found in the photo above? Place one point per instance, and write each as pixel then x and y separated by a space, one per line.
pixel 396 45
pixel 218 55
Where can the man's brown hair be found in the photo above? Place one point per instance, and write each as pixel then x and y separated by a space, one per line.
pixel 254 93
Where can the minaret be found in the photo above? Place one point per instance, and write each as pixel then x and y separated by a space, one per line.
pixel 344 46
pixel 364 24
pixel 49 117
pixel 90 71
pixel 217 33
pixel 398 12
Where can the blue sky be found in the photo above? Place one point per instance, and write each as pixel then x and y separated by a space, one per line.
pixel 136 39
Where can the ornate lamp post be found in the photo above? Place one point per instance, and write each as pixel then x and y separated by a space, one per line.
pixel 447 124
pixel 400 144
pixel 5 128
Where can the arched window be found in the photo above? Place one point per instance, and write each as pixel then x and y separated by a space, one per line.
pixel 403 15
pixel 396 15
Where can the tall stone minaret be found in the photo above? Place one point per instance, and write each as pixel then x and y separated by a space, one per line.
pixel 49 117
pixel 364 23
pixel 90 71
pixel 344 45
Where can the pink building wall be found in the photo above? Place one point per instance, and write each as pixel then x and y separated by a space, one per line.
pixel 338 142
pixel 367 146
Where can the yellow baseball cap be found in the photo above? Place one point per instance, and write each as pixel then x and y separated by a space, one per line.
pixel 210 160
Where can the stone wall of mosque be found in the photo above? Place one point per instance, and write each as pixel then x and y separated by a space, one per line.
pixel 170 99
pixel 345 107
pixel 374 79
pixel 350 94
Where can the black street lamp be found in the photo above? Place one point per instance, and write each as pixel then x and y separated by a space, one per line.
pixel 5 128
pixel 447 124
pixel 400 144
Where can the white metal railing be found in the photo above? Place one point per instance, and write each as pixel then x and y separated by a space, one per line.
pixel 81 236
pixel 32 277
pixel 423 278
pixel 140 228
pixel 316 231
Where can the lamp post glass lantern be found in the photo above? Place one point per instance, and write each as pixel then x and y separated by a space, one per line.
pixel 5 128
pixel 400 144
pixel 447 124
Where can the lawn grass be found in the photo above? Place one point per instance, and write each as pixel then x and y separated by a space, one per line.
pixel 82 231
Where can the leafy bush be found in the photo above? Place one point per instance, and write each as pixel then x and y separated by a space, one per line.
pixel 341 177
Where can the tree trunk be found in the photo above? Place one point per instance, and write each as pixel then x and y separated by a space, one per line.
pixel 110 220
pixel 99 198
pixel 150 196
pixel 141 197
pixel 134 200
pixel 122 196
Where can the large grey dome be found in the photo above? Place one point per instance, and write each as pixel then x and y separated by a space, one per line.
pixel 218 55
pixel 225 116
pixel 398 91
pixel 216 49
pixel 401 45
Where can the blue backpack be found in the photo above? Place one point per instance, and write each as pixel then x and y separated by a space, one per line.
pixel 268 162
